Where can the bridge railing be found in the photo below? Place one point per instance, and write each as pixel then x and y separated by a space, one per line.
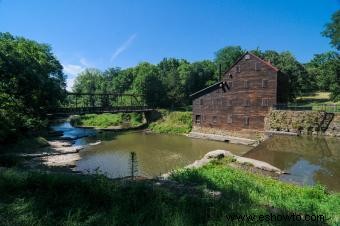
pixel 82 103
pixel 94 110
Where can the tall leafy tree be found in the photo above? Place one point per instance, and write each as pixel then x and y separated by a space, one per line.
pixel 227 56
pixel 31 83
pixel 149 84
pixel 89 81
pixel 332 30
pixel 122 83
pixel 323 67
pixel 175 90
pixel 299 80
pixel 199 75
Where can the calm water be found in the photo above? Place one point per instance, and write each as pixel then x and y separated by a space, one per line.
pixel 309 160
pixel 155 153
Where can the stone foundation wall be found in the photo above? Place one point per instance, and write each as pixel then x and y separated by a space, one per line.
pixel 334 127
pixel 302 122
pixel 245 133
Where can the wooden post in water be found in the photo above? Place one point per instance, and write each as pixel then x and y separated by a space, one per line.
pixel 133 165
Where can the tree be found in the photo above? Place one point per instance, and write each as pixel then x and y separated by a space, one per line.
pixel 199 75
pixel 323 67
pixel 227 56
pixel 332 30
pixel 299 80
pixel 31 83
pixel 108 78
pixel 148 83
pixel 175 90
pixel 122 82
pixel 89 81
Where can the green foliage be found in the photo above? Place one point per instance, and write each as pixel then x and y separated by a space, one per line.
pixel 173 122
pixel 332 30
pixel 148 83
pixel 107 120
pixel 325 69
pixel 227 56
pixel 33 198
pixel 299 80
pixel 32 82
pixel 264 191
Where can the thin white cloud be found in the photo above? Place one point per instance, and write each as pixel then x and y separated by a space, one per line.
pixel 123 47
pixel 85 62
pixel 73 69
pixel 69 83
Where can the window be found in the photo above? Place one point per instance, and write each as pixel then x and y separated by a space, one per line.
pixel 265 102
pixel 198 119
pixel 264 83
pixel 230 119
pixel 247 57
pixel 201 101
pixel 246 103
pixel 214 119
pixel 257 66
pixel 230 84
pixel 246 121
pixel 246 84
pixel 229 103
pixel 238 68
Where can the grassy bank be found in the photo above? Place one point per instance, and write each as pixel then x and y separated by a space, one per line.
pixel 172 122
pixel 31 198
pixel 248 193
pixel 317 101
pixel 108 120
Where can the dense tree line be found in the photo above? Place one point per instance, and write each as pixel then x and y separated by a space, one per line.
pixel 31 82
pixel 171 81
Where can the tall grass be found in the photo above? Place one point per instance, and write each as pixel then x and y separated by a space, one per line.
pixel 263 192
pixel 33 198
pixel 107 120
pixel 173 122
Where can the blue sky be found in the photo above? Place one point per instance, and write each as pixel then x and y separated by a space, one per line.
pixel 103 33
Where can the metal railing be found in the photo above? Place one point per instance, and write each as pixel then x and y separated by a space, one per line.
pixel 320 107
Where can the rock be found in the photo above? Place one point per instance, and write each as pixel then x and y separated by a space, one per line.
pixel 218 154
pixel 95 143
pixel 258 164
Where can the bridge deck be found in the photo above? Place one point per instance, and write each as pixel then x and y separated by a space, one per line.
pixel 100 110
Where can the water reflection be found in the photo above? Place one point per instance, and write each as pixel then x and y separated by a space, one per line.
pixel 156 153
pixel 309 160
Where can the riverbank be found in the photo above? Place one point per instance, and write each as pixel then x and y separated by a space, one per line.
pixel 165 121
pixel 216 190
pixel 108 121
pixel 219 188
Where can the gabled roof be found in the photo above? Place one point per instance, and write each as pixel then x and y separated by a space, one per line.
pixel 261 60
pixel 218 85
pixel 207 90
pixel 265 62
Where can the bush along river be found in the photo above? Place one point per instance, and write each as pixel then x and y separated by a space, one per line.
pixel 308 160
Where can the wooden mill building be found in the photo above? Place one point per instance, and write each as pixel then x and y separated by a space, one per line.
pixel 243 98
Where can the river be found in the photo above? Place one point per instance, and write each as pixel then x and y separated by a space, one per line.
pixel 309 160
